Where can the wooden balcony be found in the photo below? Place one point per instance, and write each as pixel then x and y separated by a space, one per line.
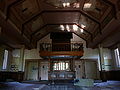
pixel 61 49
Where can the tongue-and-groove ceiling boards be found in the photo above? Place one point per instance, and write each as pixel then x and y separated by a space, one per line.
pixel 37 18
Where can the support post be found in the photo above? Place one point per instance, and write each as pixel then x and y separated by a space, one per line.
pixel 21 68
pixel 101 64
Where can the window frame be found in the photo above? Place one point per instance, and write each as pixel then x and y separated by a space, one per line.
pixel 61 66
pixel 117 57
pixel 5 59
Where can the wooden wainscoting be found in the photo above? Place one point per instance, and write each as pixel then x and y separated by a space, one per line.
pixel 15 76
pixel 110 75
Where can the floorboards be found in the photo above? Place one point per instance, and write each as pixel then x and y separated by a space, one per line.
pixel 109 85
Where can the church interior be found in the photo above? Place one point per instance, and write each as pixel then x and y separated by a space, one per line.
pixel 59 44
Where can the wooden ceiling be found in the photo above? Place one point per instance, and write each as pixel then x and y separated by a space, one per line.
pixel 34 19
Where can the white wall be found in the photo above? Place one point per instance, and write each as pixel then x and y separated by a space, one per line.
pixel 34 53
pixel 88 52
pixel 31 54
pixel 108 61
pixel 16 59
pixel 17 62
pixel 46 39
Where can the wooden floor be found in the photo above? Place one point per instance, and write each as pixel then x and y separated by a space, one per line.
pixel 60 87
pixel 109 85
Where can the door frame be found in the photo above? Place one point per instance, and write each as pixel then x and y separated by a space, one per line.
pixel 27 61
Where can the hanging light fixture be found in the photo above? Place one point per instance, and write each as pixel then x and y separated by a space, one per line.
pixel 64 3
pixel 75 27
pixel 68 28
pixel 83 26
pixel 81 30
pixel 89 5
pixel 62 27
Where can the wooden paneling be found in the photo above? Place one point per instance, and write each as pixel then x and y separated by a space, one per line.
pixel 23 12
pixel 110 75
pixel 16 76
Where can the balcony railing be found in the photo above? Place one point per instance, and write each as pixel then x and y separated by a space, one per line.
pixel 61 47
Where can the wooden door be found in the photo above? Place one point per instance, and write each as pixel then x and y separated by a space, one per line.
pixel 44 70
pixel 79 69
pixel 91 69
pixel 31 70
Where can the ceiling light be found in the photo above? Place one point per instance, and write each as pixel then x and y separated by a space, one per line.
pixel 62 27
pixel 75 27
pixel 64 4
pixel 87 5
pixel 68 28
pixel 81 30
pixel 83 26
pixel 76 5
pixel 68 4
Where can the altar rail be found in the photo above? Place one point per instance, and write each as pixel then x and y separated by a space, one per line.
pixel 58 75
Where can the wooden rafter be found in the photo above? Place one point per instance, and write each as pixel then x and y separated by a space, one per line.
pixel 82 4
pixel 79 36
pixel 9 6
pixel 113 5
pixel 55 11
pixel 61 24
pixel 50 32
pixel 43 36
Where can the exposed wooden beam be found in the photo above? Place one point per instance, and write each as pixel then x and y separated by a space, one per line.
pixel 49 32
pixel 82 4
pixel 86 31
pixel 43 36
pixel 10 5
pixel 79 36
pixel 56 11
pixel 32 17
pixel 83 29
pixel 39 29
pixel 61 24
pixel 113 5
pixel 72 11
